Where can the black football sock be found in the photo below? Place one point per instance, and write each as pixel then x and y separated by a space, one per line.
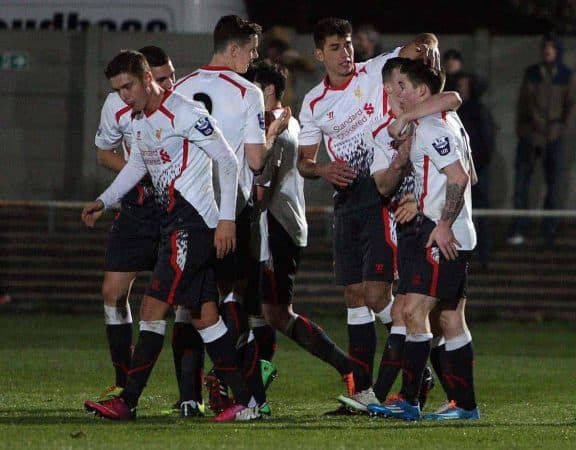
pixel 416 353
pixel 391 362
pixel 313 339
pixel 362 345
pixel 188 352
pixel 460 374
pixel 221 348
pixel 265 336
pixel 145 355
pixel 119 335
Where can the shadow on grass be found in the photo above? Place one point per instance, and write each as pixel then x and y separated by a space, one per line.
pixel 61 416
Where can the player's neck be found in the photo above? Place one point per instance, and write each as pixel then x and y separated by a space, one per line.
pixel 155 99
pixel 336 81
pixel 270 104
pixel 220 60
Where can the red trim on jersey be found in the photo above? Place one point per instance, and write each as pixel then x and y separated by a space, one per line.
pixel 121 112
pixel 329 147
pixel 141 194
pixel 317 99
pixel 175 267
pixel 167 113
pixel 187 77
pixel 444 116
pixel 171 188
pixel 388 237
pixel 209 67
pixel 384 100
pixel 340 87
pixel 383 126
pixel 234 82
pixel 425 184
pixel 435 270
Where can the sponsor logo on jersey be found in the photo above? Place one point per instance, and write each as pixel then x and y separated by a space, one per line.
pixel 261 121
pixel 165 156
pixel 330 115
pixel 442 145
pixel 204 126
pixel 369 108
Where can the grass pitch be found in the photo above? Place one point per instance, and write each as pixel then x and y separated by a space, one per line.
pixel 525 377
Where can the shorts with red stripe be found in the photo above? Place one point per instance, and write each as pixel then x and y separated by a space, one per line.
pixel 276 284
pixel 133 238
pixel 425 270
pixel 364 246
pixel 184 273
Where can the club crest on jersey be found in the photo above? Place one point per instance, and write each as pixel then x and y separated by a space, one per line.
pixel 358 93
pixel 158 134
pixel 261 121
pixel 442 145
pixel 204 126
pixel 330 115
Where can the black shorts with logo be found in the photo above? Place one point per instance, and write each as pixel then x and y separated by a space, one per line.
pixel 276 282
pixel 425 270
pixel 364 246
pixel 184 273
pixel 133 238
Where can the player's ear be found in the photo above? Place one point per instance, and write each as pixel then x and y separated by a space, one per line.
pixel 233 48
pixel 147 79
pixel 319 54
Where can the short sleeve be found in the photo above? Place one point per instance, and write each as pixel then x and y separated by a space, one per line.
pixel 310 133
pixel 255 131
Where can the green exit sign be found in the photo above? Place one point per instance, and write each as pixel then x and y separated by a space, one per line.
pixel 14 60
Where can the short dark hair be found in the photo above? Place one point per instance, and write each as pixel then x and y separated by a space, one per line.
pixel 155 56
pixel 330 26
pixel 267 73
pixel 391 64
pixel 419 73
pixel 233 29
pixel 127 61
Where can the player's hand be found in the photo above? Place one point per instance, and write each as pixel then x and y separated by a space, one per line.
pixel 225 238
pixel 278 125
pixel 337 172
pixel 92 212
pixel 401 129
pixel 429 55
pixel 444 237
pixel 407 209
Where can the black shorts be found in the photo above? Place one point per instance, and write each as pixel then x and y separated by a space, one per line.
pixel 133 238
pixel 184 273
pixel 364 246
pixel 237 265
pixel 277 279
pixel 425 270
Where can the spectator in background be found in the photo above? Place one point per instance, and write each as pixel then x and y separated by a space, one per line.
pixel 453 64
pixel 277 49
pixel 481 127
pixel 545 107
pixel 366 43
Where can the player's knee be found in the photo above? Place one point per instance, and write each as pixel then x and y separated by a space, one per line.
pixel 452 322
pixel 354 296
pixel 113 294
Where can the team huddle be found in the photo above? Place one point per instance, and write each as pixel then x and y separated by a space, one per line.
pixel 211 187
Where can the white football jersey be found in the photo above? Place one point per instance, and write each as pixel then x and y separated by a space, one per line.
pixel 440 140
pixel 115 125
pixel 384 154
pixel 286 202
pixel 175 144
pixel 238 107
pixel 340 114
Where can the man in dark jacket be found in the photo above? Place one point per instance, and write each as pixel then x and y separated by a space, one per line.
pixel 545 107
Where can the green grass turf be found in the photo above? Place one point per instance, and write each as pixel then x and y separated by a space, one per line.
pixel 49 364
